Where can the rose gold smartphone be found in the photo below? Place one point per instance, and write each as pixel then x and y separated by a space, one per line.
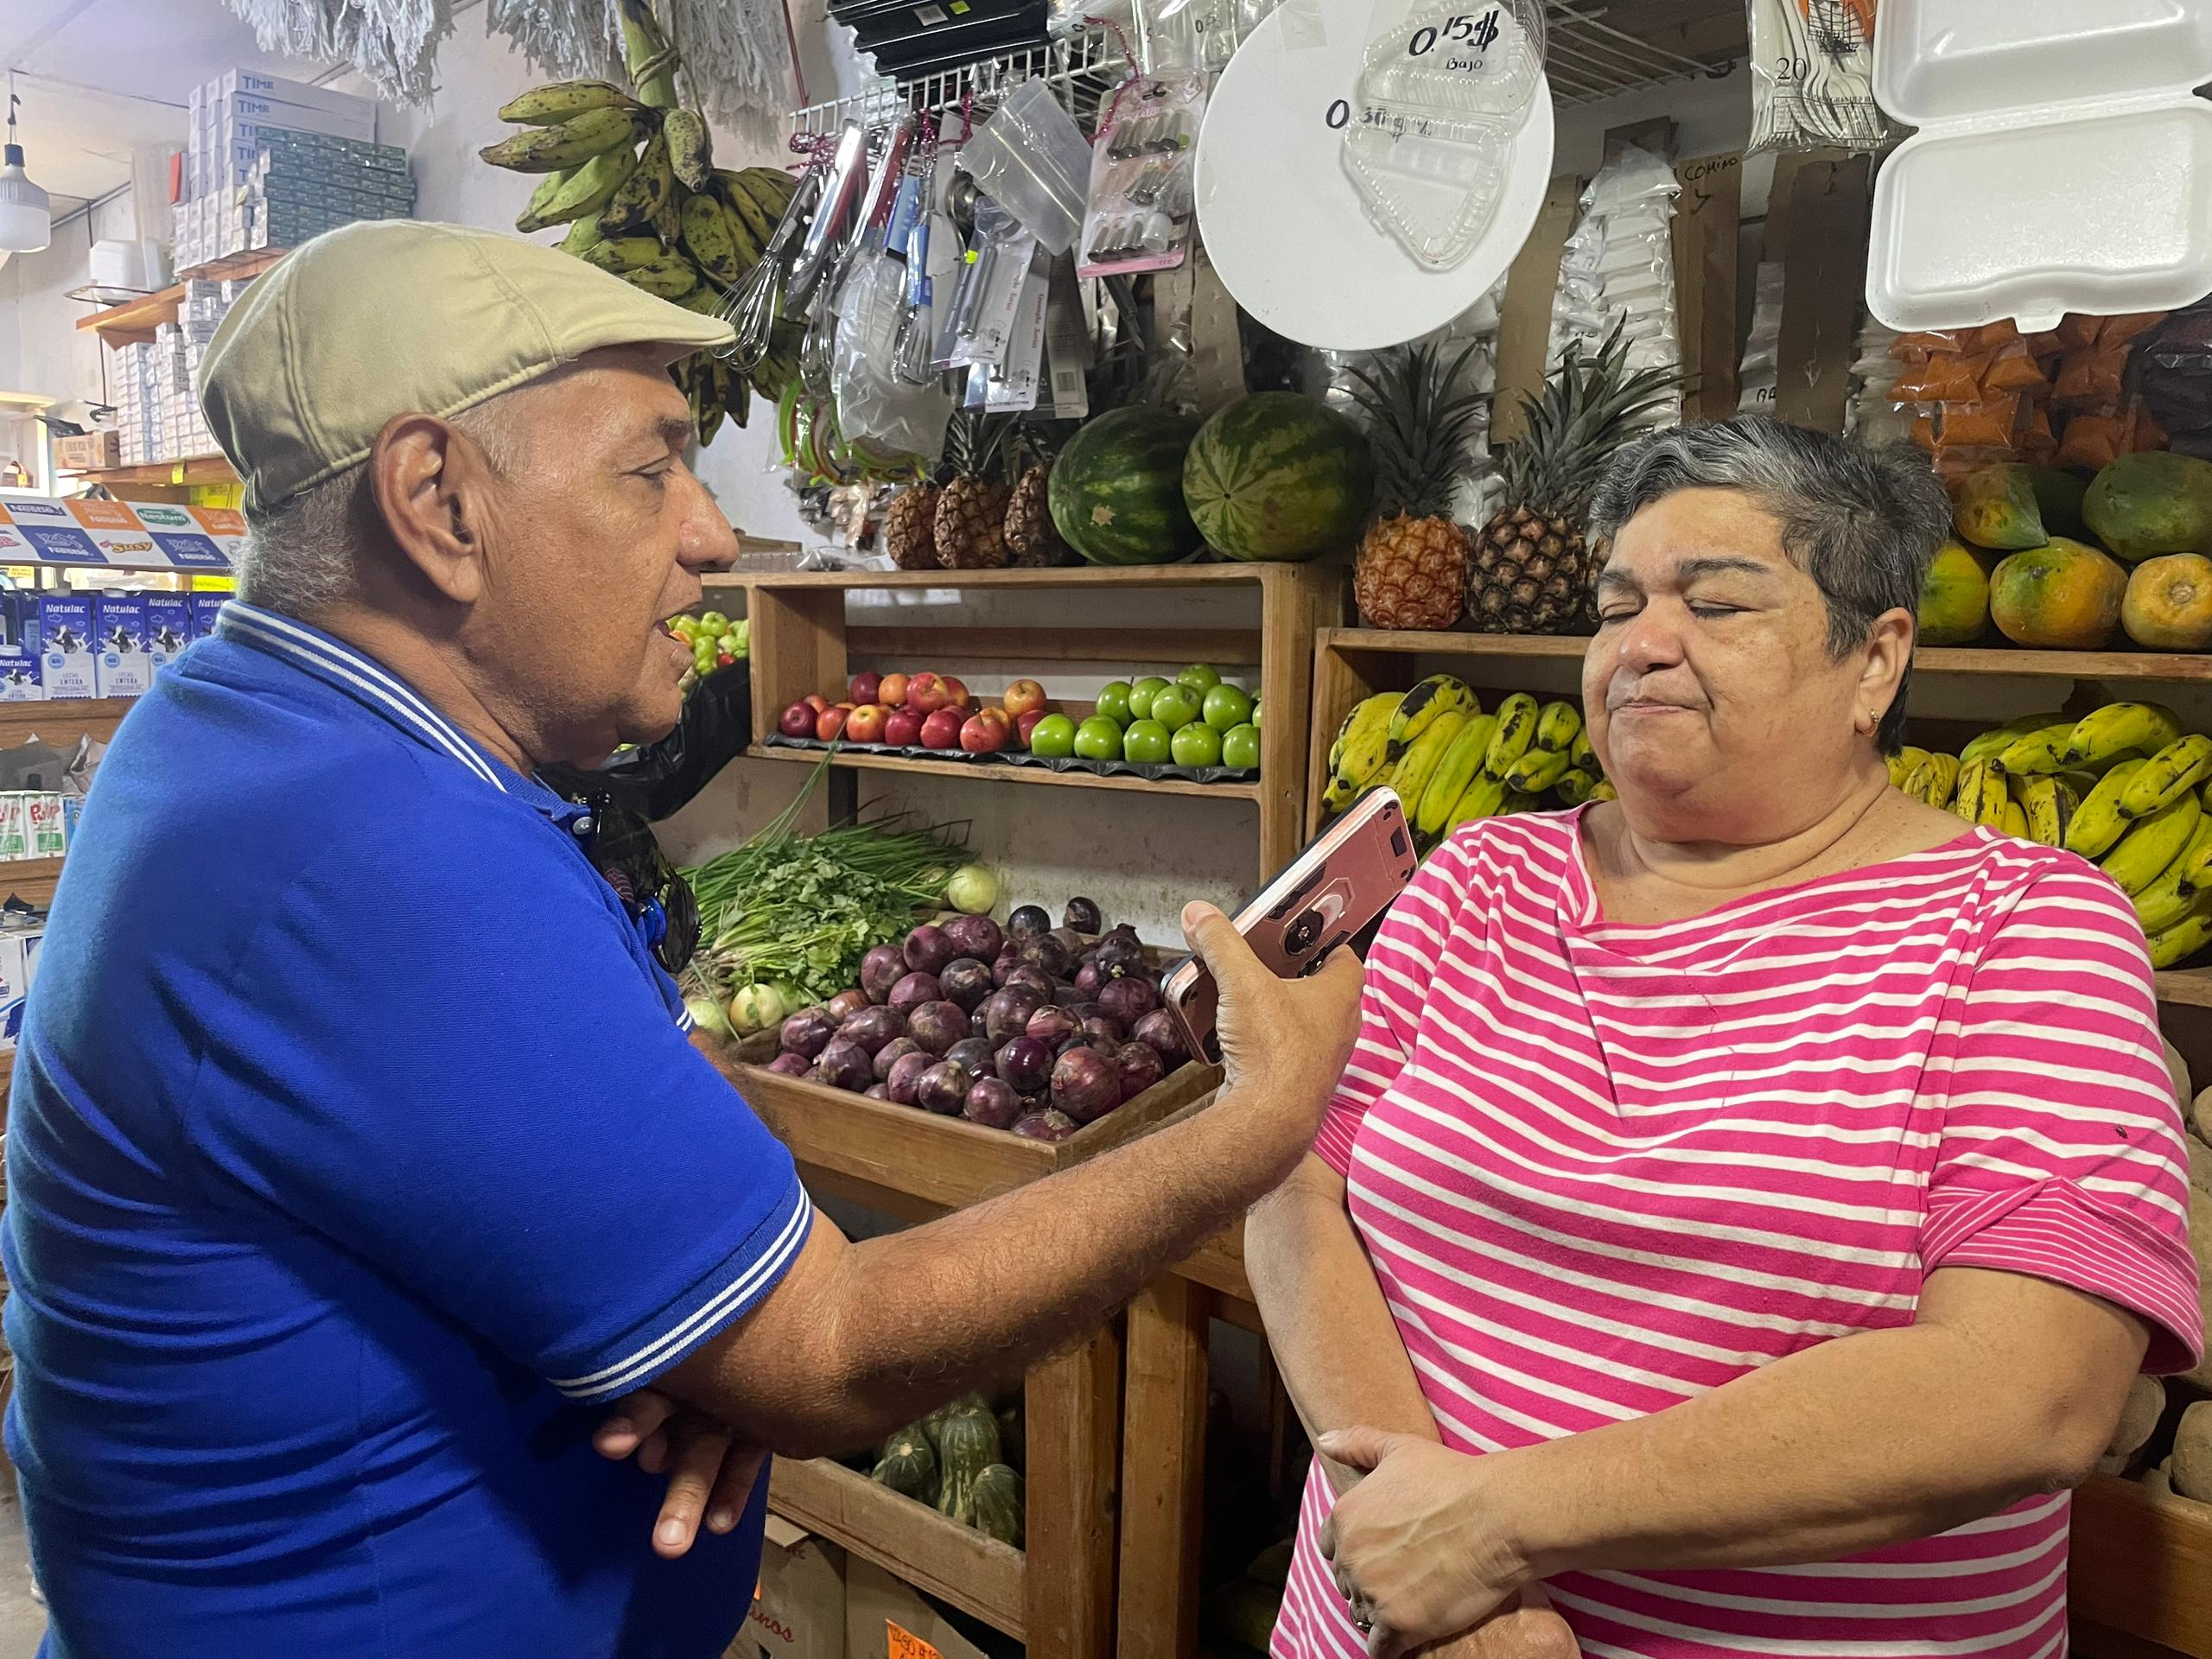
pixel 1332 892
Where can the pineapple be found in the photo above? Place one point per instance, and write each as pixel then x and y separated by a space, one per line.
pixel 1031 537
pixel 970 527
pixel 1531 570
pixel 1411 571
pixel 909 527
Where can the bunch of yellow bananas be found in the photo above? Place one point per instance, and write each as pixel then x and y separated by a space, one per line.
pixel 2124 785
pixel 633 179
pixel 1450 763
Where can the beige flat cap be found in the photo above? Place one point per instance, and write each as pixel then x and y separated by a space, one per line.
pixel 397 316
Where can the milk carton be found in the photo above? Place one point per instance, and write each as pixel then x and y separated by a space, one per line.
pixel 168 627
pixel 119 644
pixel 205 608
pixel 65 655
pixel 48 833
pixel 19 954
pixel 19 674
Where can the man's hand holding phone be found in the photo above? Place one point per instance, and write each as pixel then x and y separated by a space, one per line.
pixel 1284 1042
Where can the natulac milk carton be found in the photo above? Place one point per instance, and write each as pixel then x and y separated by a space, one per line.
pixel 119 644
pixel 168 627
pixel 66 654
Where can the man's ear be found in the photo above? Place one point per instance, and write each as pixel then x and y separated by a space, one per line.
pixel 433 489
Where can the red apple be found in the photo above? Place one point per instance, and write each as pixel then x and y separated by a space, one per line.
pixel 829 724
pixel 1027 723
pixel 866 723
pixel 816 702
pixel 927 693
pixel 1023 697
pixel 980 734
pixel 892 691
pixel 798 721
pixel 902 729
pixel 942 729
pixel 957 694
pixel 866 687
pixel 997 716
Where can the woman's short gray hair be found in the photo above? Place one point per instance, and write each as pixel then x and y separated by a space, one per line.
pixel 1862 522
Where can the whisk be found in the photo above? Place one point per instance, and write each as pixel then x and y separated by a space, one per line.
pixel 755 304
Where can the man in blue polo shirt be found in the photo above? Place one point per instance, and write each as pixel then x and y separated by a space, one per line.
pixel 359 1158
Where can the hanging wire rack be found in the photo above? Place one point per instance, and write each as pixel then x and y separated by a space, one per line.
pixel 1588 57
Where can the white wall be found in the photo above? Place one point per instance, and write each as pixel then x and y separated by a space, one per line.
pixel 42 348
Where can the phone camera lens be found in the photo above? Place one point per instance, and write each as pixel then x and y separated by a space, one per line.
pixel 1303 932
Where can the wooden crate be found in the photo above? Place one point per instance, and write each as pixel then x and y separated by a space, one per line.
pixel 946 1162
pixel 2142 1568
pixel 1056 1595
pixel 802 645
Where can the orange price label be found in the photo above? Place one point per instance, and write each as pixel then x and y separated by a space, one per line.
pixel 903 1643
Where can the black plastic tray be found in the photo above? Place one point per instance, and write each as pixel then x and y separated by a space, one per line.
pixel 1023 758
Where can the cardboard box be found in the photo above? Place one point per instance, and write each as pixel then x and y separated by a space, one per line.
pixel 886 1618
pixel 65 655
pixel 119 630
pixel 88 450
pixel 798 1611
pixel 238 111
pixel 237 82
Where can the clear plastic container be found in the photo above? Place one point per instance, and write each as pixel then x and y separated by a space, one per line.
pixel 1441 93
pixel 2062 162
pixel 1031 158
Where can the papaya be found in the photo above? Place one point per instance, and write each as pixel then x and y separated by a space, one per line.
pixel 2168 605
pixel 2065 595
pixel 1997 508
pixel 2058 493
pixel 2143 506
pixel 1954 597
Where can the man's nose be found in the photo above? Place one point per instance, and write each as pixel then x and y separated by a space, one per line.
pixel 708 541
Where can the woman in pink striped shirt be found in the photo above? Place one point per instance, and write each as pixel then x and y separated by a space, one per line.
pixel 1747 1203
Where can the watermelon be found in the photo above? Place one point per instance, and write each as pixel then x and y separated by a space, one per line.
pixel 1278 475
pixel 1116 489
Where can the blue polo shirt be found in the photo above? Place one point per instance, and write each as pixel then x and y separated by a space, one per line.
pixel 357 1158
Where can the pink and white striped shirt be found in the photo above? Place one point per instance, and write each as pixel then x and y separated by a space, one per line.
pixel 1602 1167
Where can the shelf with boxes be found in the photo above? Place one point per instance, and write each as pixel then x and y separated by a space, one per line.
pixel 270 162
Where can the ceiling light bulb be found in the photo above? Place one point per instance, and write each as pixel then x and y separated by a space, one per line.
pixel 26 212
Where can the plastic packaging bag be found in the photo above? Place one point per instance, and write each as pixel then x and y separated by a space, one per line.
pixel 874 406
pixel 1031 157
pixel 1625 229
pixel 1813 76
pixel 2173 367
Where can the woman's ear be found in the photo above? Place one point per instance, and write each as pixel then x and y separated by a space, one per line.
pixel 433 490
pixel 1886 656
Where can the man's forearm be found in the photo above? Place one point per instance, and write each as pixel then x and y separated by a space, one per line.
pixel 901 1323
pixel 1333 1336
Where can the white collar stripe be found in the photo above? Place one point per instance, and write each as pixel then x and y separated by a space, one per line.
pixel 348 666
pixel 329 647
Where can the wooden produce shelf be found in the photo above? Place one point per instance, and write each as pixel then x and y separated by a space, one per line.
pixel 136 319
pixel 802 646
pixel 979 1575
pixel 944 1162
pixel 31 880
pixel 2142 1565
pixel 189 469
pixel 985 772
pixel 2172 668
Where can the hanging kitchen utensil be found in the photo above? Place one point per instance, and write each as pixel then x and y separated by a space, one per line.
pixel 753 309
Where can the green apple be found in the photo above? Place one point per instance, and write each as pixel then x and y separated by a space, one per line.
pixel 1240 747
pixel 1197 745
pixel 1098 738
pixel 1141 694
pixel 1175 706
pixel 1053 737
pixel 1225 706
pixel 1200 677
pixel 1113 701
pixel 1146 742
